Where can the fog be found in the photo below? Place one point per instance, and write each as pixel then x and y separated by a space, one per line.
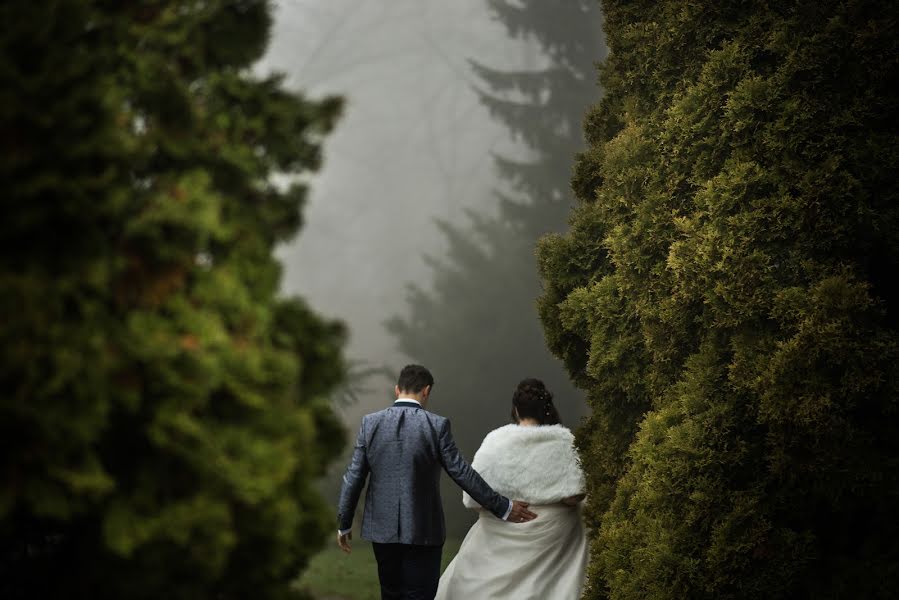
pixel 413 154
pixel 406 222
pixel 413 145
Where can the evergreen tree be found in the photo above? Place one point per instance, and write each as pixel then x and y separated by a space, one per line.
pixel 724 295
pixel 476 324
pixel 165 411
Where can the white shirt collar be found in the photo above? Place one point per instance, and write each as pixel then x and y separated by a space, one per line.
pixel 407 400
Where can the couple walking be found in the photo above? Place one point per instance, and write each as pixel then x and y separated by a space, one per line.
pixel 525 481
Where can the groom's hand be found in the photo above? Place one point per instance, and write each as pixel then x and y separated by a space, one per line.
pixel 520 512
pixel 344 541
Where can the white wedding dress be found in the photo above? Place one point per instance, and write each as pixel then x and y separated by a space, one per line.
pixel 543 559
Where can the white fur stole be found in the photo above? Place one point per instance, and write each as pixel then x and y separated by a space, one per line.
pixel 536 464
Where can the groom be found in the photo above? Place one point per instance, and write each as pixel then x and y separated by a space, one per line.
pixel 401 450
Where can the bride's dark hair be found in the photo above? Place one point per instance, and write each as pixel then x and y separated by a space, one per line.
pixel 534 401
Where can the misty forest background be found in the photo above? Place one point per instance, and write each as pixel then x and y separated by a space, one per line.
pixel 693 244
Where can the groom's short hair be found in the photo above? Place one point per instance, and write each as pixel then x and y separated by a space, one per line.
pixel 414 378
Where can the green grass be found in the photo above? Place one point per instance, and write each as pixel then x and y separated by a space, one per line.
pixel 333 575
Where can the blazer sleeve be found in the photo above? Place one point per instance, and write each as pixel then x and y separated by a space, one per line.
pixel 467 478
pixel 353 482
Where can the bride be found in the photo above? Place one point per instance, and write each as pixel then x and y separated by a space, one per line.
pixel 533 459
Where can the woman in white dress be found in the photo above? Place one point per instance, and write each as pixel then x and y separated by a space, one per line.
pixel 533 459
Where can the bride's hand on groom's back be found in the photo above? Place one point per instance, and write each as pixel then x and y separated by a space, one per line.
pixel 520 512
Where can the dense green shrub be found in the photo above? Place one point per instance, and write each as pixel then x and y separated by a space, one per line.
pixel 725 296
pixel 164 412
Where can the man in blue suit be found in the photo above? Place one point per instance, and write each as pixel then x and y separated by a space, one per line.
pixel 401 450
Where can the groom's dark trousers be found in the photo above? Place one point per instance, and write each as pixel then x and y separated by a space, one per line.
pixel 408 572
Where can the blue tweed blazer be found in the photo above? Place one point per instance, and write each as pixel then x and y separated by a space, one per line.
pixel 401 450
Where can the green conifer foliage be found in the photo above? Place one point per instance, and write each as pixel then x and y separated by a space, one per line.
pixel 164 411
pixel 725 296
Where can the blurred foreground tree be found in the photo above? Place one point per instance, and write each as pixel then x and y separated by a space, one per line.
pixel 475 325
pixel 164 412
pixel 725 295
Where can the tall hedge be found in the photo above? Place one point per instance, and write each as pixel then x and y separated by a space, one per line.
pixel 164 411
pixel 725 295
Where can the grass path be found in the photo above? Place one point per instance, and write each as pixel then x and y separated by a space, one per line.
pixel 333 575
